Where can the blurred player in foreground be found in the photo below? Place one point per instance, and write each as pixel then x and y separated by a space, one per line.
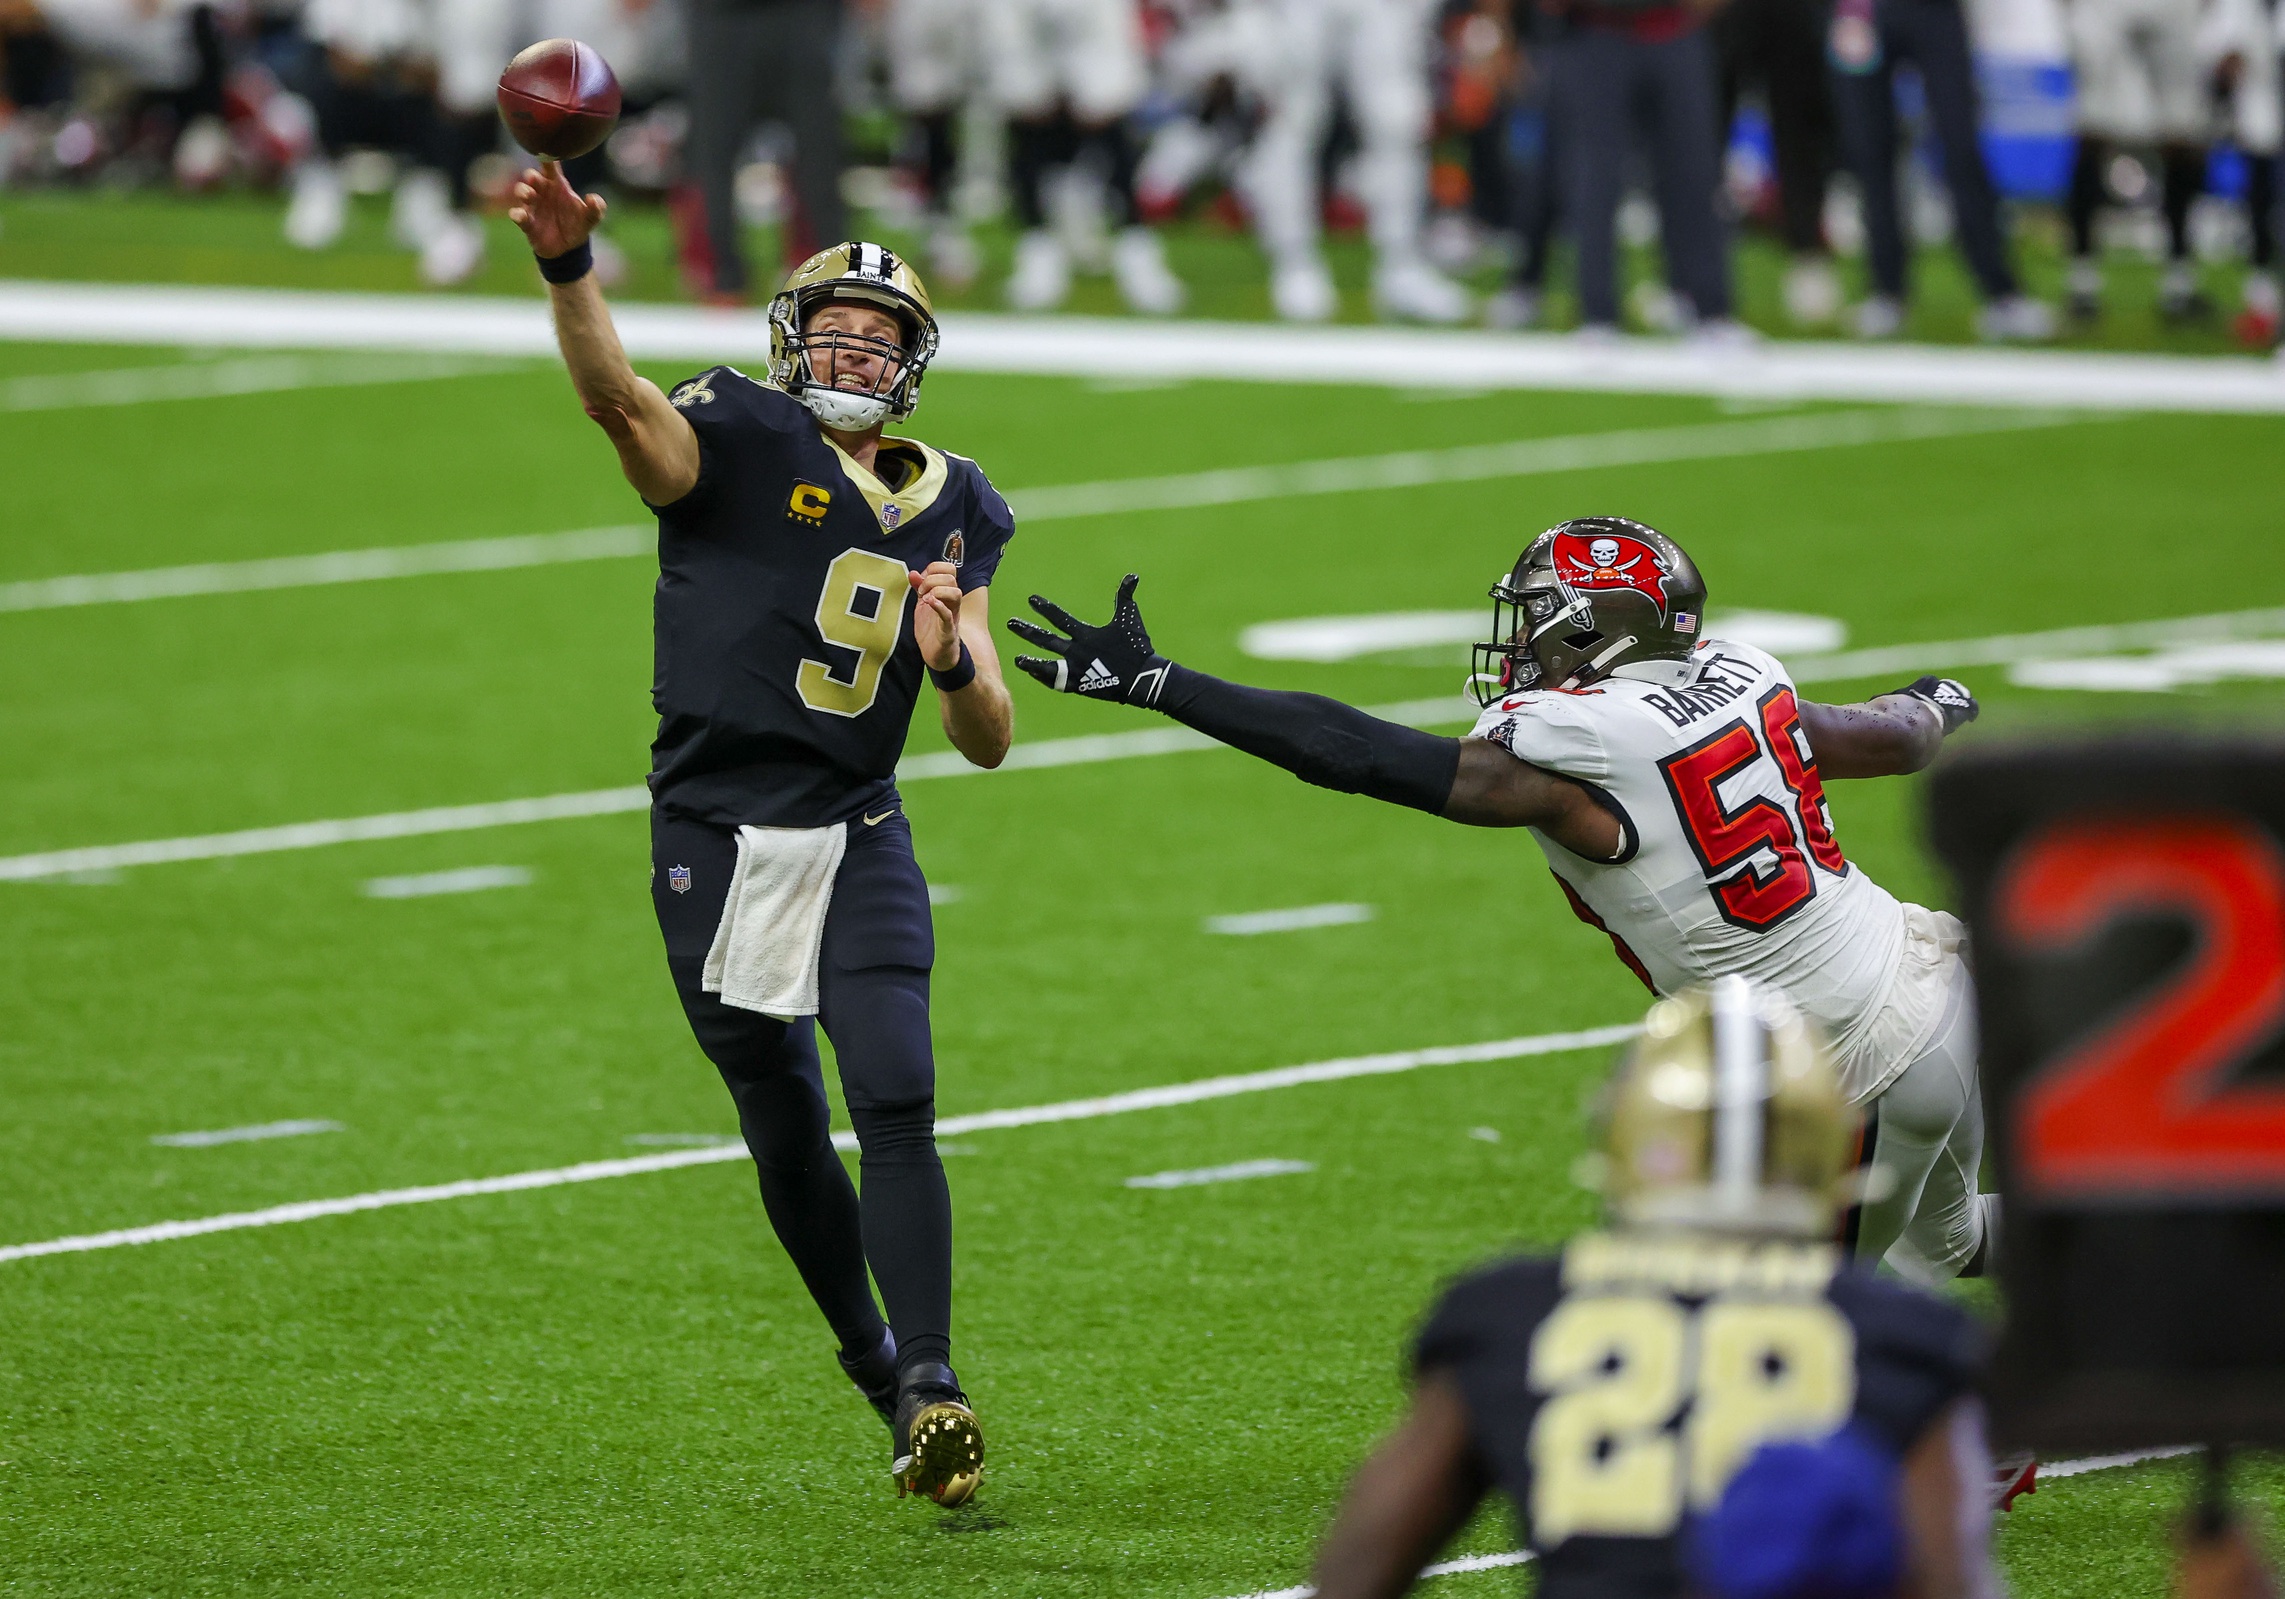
pixel 1626 1394
pixel 1676 786
pixel 810 570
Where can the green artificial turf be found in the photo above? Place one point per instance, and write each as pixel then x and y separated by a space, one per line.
pixel 156 237
pixel 620 1387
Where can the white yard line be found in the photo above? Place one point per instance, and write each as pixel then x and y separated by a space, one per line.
pixel 245 1135
pixel 1236 1172
pixel 2008 648
pixel 251 374
pixel 1517 1557
pixel 1081 751
pixel 1251 924
pixel 338 566
pixel 1087 750
pixel 1070 1110
pixel 461 880
pixel 1063 502
pixel 1137 349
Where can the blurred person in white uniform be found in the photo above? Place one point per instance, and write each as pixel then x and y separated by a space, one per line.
pixel 1068 74
pixel 148 40
pixel 2238 46
pixel 2140 83
pixel 935 53
pixel 1205 72
pixel 1374 53
pixel 371 82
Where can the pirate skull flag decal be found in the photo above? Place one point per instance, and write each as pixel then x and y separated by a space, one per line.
pixel 1612 561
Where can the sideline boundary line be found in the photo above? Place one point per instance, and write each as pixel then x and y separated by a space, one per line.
pixel 1087 749
pixel 1190 1093
pixel 1138 348
pixel 1474 463
pixel 1516 1557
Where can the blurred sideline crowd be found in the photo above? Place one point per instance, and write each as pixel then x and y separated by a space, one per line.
pixel 1450 132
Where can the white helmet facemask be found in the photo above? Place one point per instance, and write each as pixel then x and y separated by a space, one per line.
pixel 849 410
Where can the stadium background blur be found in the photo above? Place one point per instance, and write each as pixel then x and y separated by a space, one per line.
pixel 1036 153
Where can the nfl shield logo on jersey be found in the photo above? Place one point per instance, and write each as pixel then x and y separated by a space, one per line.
pixel 891 514
pixel 678 879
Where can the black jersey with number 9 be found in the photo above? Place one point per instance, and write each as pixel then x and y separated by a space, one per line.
pixel 786 666
pixel 1613 1392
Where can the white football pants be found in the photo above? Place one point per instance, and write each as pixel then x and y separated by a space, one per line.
pixel 1930 1139
pixel 1376 51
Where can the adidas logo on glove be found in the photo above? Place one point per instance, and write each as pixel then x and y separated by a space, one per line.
pixel 1097 679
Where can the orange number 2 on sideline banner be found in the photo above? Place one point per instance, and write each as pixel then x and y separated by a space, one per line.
pixel 2143 1106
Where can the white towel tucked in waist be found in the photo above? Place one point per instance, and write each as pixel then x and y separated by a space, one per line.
pixel 773 924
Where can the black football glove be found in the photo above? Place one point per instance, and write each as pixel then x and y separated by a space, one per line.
pixel 1951 698
pixel 1113 662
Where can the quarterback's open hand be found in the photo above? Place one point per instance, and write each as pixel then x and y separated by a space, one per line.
pixel 1112 662
pixel 1948 697
pixel 554 216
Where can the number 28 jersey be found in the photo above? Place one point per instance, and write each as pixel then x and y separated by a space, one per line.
pixel 1612 1392
pixel 1729 863
pixel 786 669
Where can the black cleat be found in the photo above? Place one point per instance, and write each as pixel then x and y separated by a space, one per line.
pixel 876 1376
pixel 939 1447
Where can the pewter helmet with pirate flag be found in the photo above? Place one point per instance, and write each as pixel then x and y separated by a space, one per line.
pixel 1589 595
pixel 863 274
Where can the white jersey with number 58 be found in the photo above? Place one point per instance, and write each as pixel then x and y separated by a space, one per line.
pixel 1729 864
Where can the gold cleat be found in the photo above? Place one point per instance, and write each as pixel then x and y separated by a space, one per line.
pixel 940 1452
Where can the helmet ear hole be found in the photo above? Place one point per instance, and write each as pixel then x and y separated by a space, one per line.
pixel 1583 641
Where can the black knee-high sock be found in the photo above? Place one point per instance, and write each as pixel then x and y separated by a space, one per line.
pixel 2086 194
pixel 1120 159
pixel 939 158
pixel 2185 180
pixel 812 1204
pixel 908 1225
pixel 2261 208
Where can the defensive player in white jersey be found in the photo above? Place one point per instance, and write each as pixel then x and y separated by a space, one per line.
pixel 1676 785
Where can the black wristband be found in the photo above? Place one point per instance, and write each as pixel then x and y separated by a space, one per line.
pixel 962 674
pixel 568 267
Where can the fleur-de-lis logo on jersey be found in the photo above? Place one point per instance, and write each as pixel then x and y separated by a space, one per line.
pixel 695 392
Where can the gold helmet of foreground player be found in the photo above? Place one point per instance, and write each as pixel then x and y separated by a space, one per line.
pixel 1728 1116
pixel 860 273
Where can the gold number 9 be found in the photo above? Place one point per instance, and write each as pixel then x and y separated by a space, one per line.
pixel 861 608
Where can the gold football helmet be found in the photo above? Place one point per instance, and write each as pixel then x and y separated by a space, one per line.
pixel 1727 1116
pixel 871 274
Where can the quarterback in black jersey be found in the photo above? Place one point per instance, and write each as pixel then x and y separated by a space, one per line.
pixel 1626 1394
pixel 810 572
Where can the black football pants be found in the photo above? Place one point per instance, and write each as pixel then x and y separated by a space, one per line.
pixel 1602 88
pixel 873 1003
pixel 1933 36
pixel 756 60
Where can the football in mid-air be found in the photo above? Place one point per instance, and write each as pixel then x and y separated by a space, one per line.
pixel 559 98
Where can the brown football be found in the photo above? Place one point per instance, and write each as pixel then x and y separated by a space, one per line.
pixel 559 99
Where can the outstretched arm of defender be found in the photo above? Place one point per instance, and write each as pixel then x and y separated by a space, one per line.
pixel 1890 734
pixel 1318 740
pixel 658 451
